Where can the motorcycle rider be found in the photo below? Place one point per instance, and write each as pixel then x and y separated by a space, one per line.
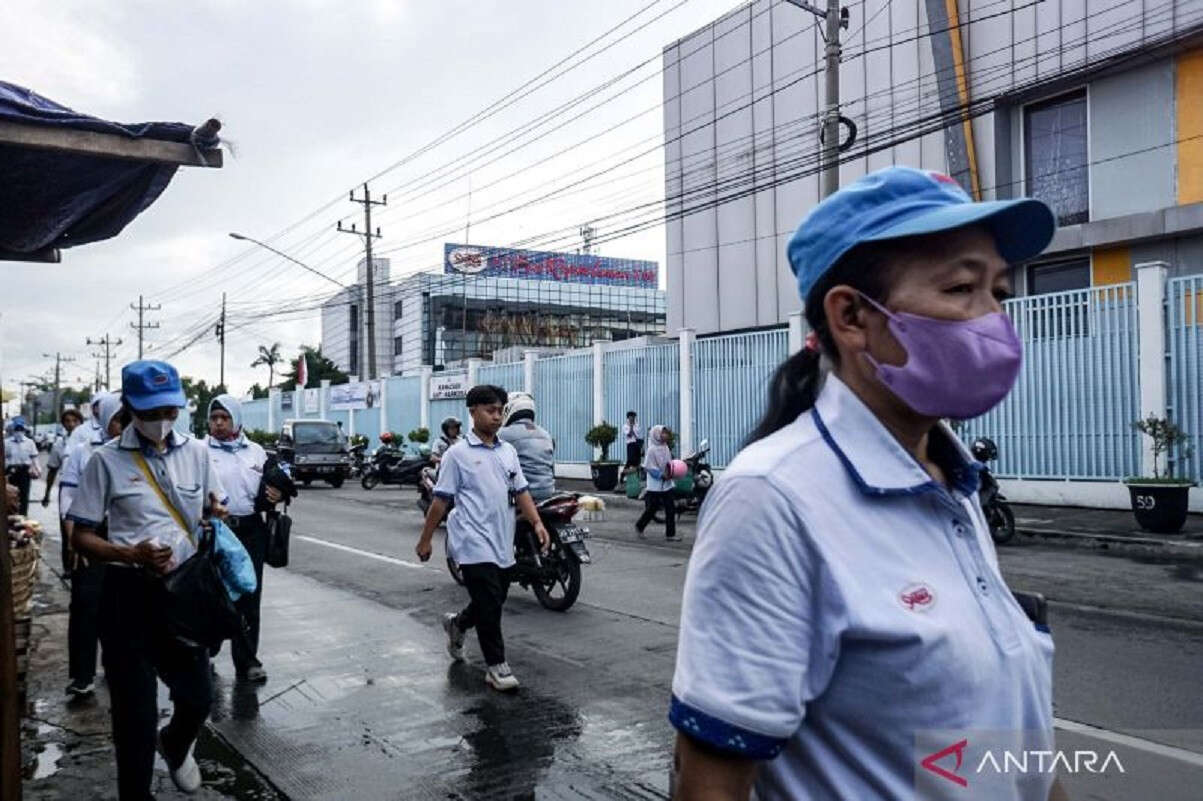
pixel 536 448
pixel 451 428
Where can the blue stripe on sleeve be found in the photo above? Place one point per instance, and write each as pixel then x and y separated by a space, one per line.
pixel 722 735
pixel 83 521
pixel 447 496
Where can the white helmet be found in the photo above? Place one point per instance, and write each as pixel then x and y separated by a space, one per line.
pixel 518 402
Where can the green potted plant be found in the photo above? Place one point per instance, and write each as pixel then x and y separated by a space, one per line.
pixel 1160 502
pixel 604 471
pixel 419 435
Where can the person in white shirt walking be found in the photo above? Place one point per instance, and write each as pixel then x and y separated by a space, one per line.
pixel 632 436
pixel 70 420
pixel 20 461
pixel 239 465
pixel 480 473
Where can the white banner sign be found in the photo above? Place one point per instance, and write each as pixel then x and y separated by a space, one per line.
pixel 360 395
pixel 443 387
pixel 312 400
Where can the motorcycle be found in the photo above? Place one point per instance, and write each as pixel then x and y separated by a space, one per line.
pixel 689 492
pixel 555 577
pixel 391 466
pixel 358 459
pixel 995 508
pixel 427 478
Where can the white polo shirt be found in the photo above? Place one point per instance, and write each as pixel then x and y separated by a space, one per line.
pixel 19 450
pixel 112 483
pixel 839 604
pixel 239 466
pixel 480 478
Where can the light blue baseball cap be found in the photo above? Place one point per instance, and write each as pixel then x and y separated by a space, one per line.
pixel 898 202
pixel 149 384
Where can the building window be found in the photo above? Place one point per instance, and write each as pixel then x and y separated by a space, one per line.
pixel 1059 276
pixel 399 310
pixel 1058 317
pixel 396 346
pixel 1056 169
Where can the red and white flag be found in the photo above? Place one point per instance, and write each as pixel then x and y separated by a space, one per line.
pixel 302 372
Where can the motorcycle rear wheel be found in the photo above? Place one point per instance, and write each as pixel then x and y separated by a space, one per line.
pixel 1001 520
pixel 561 594
pixel 369 481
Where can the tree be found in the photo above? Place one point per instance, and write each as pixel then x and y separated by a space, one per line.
pixel 269 357
pixel 256 392
pixel 320 368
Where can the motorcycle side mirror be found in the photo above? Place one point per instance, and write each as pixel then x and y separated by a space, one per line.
pixel 703 445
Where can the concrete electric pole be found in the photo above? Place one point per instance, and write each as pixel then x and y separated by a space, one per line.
pixel 835 18
pixel 108 342
pixel 220 330
pixel 368 235
pixel 58 364
pixel 141 326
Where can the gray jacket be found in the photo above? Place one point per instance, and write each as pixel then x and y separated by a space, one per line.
pixel 536 453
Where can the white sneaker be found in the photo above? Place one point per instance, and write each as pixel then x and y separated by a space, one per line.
pixel 500 677
pixel 186 775
pixel 455 637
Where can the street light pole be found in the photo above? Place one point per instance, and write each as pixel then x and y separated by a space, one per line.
pixel 303 265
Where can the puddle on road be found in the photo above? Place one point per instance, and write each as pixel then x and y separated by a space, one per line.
pixel 227 772
pixel 47 763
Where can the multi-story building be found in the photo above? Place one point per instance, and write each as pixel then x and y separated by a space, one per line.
pixel 1095 106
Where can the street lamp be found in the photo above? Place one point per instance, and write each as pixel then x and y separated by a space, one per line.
pixel 245 238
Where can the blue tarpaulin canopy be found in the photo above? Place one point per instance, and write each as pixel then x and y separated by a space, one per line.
pixel 67 179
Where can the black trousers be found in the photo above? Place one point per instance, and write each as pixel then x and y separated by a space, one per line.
pixel 137 652
pixel 659 500
pixel 18 476
pixel 488 585
pixel 634 453
pixel 83 617
pixel 252 533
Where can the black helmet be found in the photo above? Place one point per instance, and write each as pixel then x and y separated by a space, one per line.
pixel 450 421
pixel 984 449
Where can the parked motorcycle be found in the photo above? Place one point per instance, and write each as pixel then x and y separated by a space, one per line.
pixel 396 467
pixel 358 459
pixel 995 508
pixel 689 492
pixel 555 577
pixel 427 478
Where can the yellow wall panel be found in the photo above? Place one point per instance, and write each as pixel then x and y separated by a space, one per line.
pixel 1189 103
pixel 1110 266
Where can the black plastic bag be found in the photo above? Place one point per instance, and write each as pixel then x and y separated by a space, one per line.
pixel 195 604
pixel 279 526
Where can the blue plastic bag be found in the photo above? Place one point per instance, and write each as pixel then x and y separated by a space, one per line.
pixel 233 562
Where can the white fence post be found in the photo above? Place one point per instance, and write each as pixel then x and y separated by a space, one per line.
pixel 797 332
pixel 528 370
pixel 685 435
pixel 1150 298
pixel 384 405
pixel 599 388
pixel 473 371
pixel 273 395
pixel 424 398
pixel 323 399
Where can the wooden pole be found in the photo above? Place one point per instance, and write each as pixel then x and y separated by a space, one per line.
pixel 10 715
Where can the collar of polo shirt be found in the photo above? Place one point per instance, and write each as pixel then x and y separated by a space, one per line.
pixel 131 440
pixel 874 459
pixel 476 442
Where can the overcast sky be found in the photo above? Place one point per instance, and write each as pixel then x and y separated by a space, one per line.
pixel 317 96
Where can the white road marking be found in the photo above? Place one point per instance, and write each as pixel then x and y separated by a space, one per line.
pixel 1139 743
pixel 392 560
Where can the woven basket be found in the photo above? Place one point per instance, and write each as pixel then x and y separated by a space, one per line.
pixel 25 574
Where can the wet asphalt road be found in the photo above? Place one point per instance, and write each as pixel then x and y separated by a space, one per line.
pixel 363 702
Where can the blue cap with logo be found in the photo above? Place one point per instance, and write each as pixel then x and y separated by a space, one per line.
pixel 149 384
pixel 898 202
pixel 18 423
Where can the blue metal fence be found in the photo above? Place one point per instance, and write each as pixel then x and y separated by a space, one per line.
pixel 646 381
pixel 404 402
pixel 730 381
pixel 1183 317
pixel 564 393
pixel 254 414
pixel 509 375
pixel 1071 412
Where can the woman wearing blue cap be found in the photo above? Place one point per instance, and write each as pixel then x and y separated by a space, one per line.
pixel 154 485
pixel 845 631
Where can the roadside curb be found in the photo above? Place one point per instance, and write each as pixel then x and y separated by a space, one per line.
pixel 1192 548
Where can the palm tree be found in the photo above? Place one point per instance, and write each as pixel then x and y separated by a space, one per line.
pixel 270 357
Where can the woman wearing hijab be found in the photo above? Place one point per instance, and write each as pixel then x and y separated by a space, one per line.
pixel 239 466
pixel 845 630
pixel 660 486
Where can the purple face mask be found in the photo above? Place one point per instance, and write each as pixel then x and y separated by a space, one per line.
pixel 954 368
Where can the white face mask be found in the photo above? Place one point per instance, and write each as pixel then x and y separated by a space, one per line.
pixel 153 430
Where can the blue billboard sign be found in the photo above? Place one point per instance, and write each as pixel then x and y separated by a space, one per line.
pixel 577 268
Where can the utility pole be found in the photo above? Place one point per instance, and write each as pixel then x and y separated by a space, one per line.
pixel 836 18
pixel 108 342
pixel 368 235
pixel 220 329
pixel 58 363
pixel 141 326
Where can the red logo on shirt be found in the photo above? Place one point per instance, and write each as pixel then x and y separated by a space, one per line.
pixel 929 762
pixel 917 597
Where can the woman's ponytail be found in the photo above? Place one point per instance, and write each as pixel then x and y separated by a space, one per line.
pixel 792 391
